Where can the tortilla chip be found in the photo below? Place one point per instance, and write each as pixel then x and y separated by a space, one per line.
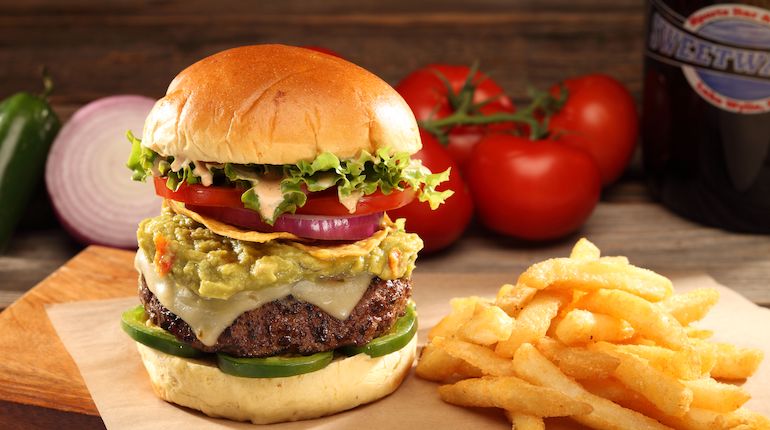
pixel 228 230
pixel 321 252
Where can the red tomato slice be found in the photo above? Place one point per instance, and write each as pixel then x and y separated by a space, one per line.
pixel 227 197
pixel 327 203
pixel 320 203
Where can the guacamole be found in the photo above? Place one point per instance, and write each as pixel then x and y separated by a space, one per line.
pixel 215 266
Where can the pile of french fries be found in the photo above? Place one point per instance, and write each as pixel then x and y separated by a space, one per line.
pixel 595 339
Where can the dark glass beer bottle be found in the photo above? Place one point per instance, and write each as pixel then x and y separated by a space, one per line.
pixel 706 110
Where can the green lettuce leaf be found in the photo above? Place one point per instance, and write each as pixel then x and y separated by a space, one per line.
pixel 141 159
pixel 361 176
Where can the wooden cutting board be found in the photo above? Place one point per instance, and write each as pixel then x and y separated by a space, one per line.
pixel 40 385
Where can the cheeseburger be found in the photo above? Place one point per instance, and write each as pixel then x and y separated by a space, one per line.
pixel 273 285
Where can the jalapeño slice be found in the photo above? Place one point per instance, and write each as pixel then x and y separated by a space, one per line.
pixel 398 337
pixel 133 323
pixel 274 367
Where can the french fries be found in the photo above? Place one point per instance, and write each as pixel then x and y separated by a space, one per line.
pixel 647 319
pixel 662 390
pixel 462 311
pixel 580 326
pixel 535 368
pixel 525 422
pixel 596 339
pixel 532 323
pixel 579 363
pixel 513 394
pixel 692 306
pixel 488 325
pixel 713 395
pixel 735 363
pixel 591 275
pixel 477 356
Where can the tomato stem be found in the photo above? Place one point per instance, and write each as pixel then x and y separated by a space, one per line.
pixel 47 83
pixel 542 103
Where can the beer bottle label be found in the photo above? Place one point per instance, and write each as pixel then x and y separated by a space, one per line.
pixel 723 51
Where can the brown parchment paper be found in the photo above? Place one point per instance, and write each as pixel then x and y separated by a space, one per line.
pixel 113 372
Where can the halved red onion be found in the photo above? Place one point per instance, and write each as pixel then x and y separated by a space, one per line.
pixel 354 227
pixel 90 187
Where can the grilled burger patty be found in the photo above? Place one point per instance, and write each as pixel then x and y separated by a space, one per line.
pixel 291 326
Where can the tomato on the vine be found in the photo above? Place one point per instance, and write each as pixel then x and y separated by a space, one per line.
pixel 599 117
pixel 429 96
pixel 442 227
pixel 535 190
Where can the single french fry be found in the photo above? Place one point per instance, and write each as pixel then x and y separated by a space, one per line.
pixel 683 364
pixel 525 422
pixel 707 354
pixel 532 323
pixel 611 389
pixel 716 396
pixel 647 319
pixel 591 275
pixel 514 394
pixel 579 326
pixel 616 259
pixel 745 419
pixel 436 365
pixel 477 356
pixel 513 298
pixel 661 389
pixel 533 367
pixel 462 311
pixel 698 333
pixel 584 250
pixel 488 325
pixel 733 362
pixel 690 306
pixel 577 362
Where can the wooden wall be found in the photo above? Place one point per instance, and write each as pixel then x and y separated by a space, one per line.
pixel 96 48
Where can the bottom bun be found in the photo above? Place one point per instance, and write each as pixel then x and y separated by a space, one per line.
pixel 343 384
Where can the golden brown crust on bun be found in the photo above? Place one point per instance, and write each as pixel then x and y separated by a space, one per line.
pixel 276 104
pixel 343 384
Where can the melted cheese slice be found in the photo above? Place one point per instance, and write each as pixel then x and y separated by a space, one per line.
pixel 208 318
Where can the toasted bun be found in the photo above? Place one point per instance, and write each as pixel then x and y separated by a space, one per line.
pixel 276 104
pixel 343 384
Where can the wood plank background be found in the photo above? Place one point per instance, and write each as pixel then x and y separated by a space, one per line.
pixel 96 48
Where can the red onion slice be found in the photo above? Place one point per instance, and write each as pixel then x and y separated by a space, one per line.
pixel 90 187
pixel 354 227
pixel 330 227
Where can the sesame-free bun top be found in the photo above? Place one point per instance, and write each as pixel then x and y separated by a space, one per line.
pixel 276 104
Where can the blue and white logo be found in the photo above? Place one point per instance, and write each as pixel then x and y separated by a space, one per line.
pixel 724 52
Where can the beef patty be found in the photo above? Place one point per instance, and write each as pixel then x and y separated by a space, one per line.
pixel 292 326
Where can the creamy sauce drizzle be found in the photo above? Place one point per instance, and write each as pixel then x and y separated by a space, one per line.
pixel 350 202
pixel 270 196
pixel 201 170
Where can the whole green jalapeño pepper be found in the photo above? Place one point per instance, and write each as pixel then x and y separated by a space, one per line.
pixel 28 126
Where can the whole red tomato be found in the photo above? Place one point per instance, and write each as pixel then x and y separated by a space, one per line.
pixel 428 96
pixel 439 228
pixel 599 117
pixel 535 190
